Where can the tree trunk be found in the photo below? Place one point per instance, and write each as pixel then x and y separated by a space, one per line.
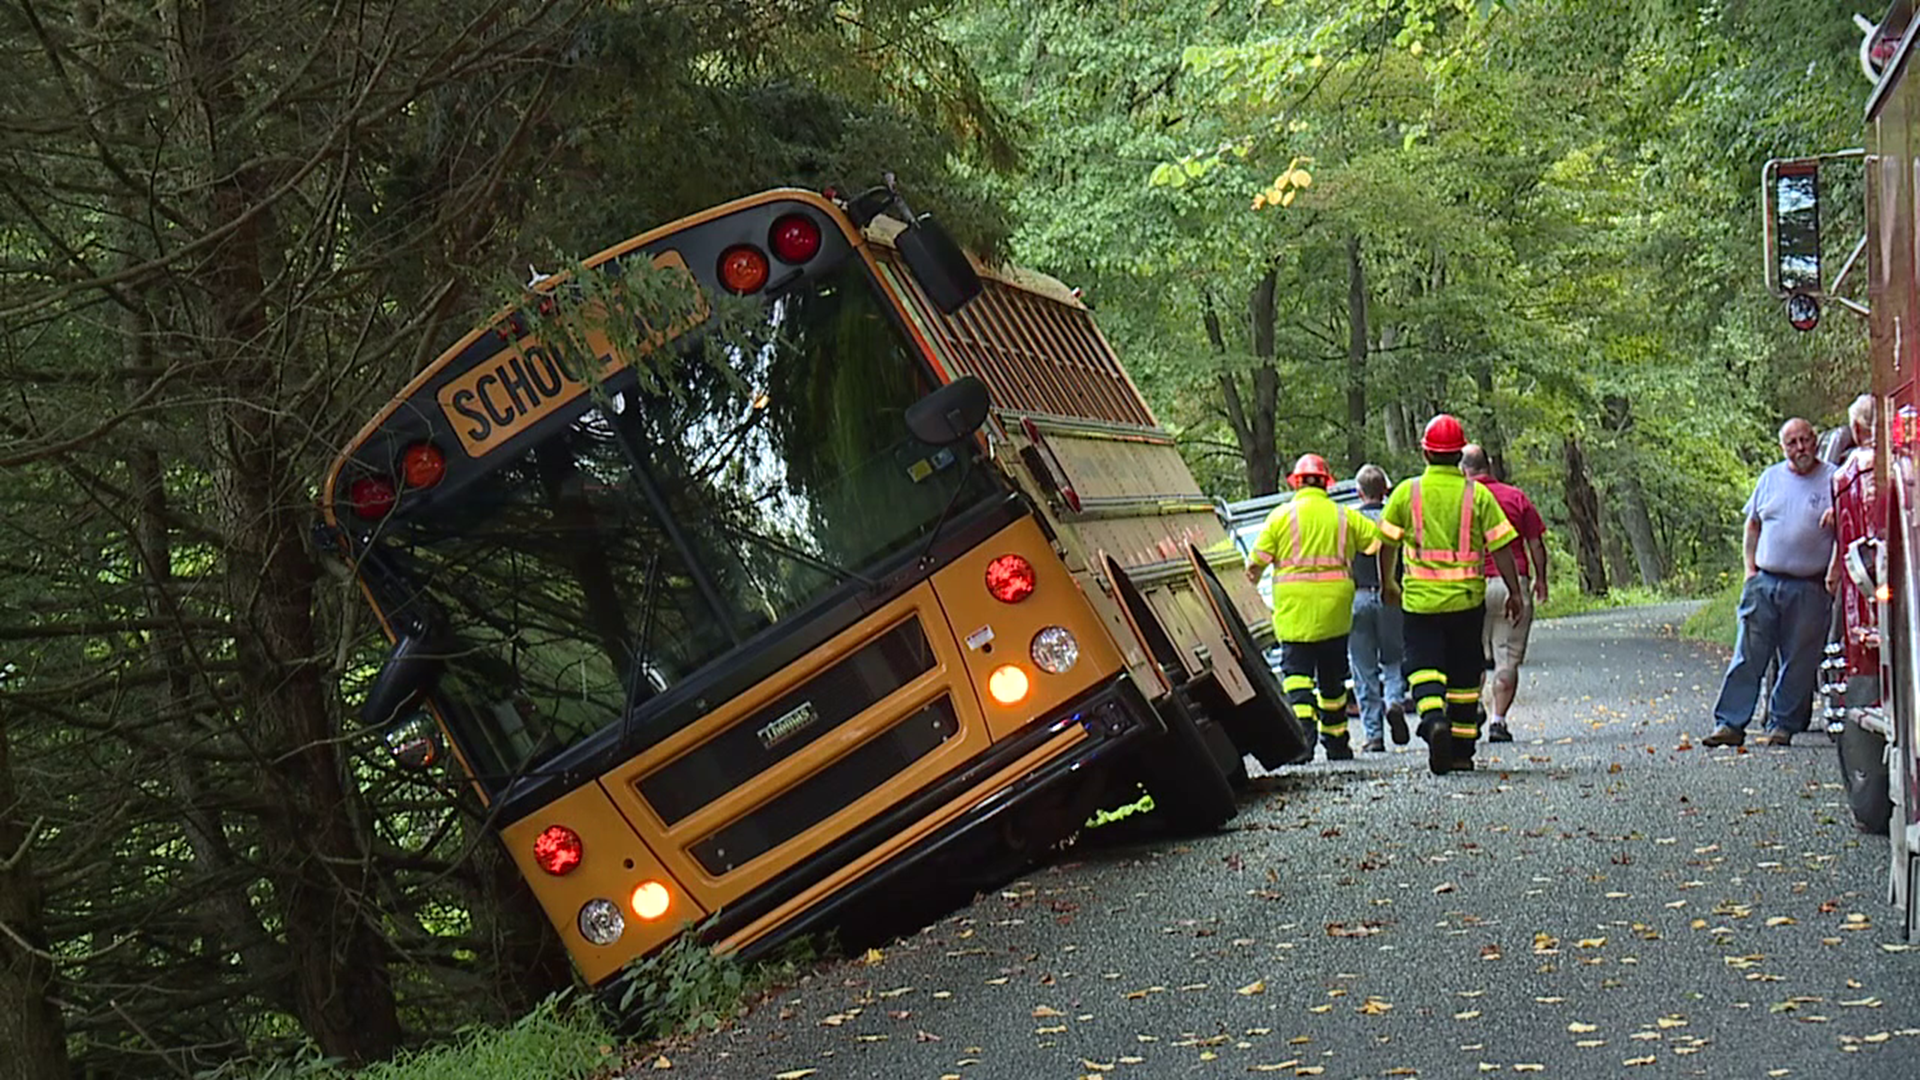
pixel 30 1024
pixel 1583 514
pixel 1647 555
pixel 342 992
pixel 1396 425
pixel 1263 465
pixel 1356 355
pixel 1230 391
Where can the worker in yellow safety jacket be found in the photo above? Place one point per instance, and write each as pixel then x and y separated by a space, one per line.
pixel 1448 525
pixel 1310 542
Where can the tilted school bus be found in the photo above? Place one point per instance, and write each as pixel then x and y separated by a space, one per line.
pixel 745 621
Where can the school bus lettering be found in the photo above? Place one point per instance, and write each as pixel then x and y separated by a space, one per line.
pixel 509 392
pixel 527 380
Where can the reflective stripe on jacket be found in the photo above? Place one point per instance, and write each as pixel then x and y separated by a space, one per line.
pixel 1446 525
pixel 1311 540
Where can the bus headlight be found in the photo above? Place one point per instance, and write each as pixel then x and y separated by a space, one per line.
pixel 1055 650
pixel 600 922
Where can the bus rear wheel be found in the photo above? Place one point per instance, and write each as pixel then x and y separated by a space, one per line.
pixel 1185 774
pixel 1264 724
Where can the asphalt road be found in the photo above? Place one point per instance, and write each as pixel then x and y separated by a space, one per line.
pixel 1605 898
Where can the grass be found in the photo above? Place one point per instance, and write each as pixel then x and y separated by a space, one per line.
pixel 1716 621
pixel 562 1039
pixel 1571 601
pixel 683 987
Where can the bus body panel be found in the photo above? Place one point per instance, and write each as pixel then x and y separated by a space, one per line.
pixel 1892 186
pixel 614 862
pixel 1075 433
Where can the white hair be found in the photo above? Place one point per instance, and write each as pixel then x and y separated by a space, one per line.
pixel 1860 413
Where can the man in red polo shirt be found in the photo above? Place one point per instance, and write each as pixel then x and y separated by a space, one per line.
pixel 1503 640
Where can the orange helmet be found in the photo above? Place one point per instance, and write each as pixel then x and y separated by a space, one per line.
pixel 1443 435
pixel 1310 465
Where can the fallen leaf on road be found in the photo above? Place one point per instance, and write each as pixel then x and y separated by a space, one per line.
pixel 1470 1014
pixel 1670 1022
pixel 1373 1006
pixel 1592 942
pixel 1782 920
pixel 661 1062
pixel 1278 1066
pixel 1581 1029
pixel 1444 887
pixel 1528 1066
pixel 1042 1012
pixel 1258 986
pixel 1648 1060
pixel 874 956
pixel 796 1074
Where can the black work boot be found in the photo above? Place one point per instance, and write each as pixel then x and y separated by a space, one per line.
pixel 1463 754
pixel 1433 729
pixel 1337 747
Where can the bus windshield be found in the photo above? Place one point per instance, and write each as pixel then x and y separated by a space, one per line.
pixel 677 518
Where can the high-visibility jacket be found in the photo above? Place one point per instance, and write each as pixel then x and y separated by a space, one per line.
pixel 1446 525
pixel 1312 540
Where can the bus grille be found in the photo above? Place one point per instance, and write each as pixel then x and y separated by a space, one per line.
pixel 828 791
pixel 763 739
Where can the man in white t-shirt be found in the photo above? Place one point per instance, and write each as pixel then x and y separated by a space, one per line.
pixel 1784 606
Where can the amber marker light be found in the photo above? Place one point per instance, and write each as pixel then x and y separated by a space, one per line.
pixel 651 900
pixel 1008 684
pixel 743 269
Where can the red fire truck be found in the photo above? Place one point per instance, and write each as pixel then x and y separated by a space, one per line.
pixel 1872 670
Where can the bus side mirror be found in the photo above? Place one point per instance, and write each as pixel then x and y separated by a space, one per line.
pixel 1790 191
pixel 414 742
pixel 412 668
pixel 938 264
pixel 951 413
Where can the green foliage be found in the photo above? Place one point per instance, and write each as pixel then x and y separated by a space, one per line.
pixel 1582 271
pixel 563 1038
pixel 686 986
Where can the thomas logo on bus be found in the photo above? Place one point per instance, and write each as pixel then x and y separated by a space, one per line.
pixel 789 725
pixel 527 380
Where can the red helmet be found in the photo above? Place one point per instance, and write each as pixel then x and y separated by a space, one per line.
pixel 1310 465
pixel 1443 435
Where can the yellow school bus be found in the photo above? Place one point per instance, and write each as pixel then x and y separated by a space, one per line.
pixel 748 620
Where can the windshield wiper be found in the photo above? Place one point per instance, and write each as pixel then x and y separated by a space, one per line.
pixel 840 573
pixel 638 682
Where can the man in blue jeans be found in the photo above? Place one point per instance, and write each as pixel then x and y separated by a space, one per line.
pixel 1784 606
pixel 1373 645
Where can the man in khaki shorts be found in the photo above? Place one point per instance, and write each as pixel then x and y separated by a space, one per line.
pixel 1503 640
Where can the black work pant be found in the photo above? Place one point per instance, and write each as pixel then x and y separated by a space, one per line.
pixel 1444 665
pixel 1314 676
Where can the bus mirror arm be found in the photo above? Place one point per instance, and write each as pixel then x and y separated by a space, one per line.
pixel 411 669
